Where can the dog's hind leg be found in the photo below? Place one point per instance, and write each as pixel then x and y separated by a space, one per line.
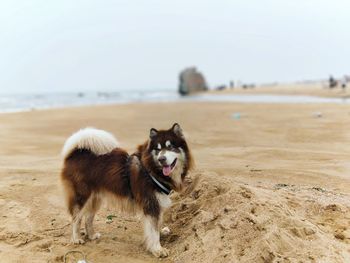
pixel 76 203
pixel 90 209
pixel 76 222
pixel 165 231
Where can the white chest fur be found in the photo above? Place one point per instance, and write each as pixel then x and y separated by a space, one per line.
pixel 164 200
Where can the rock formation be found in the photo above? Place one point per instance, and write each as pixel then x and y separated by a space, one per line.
pixel 191 81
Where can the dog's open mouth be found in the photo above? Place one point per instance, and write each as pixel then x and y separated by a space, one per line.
pixel 168 169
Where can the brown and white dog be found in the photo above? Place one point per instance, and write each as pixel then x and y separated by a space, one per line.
pixel 95 167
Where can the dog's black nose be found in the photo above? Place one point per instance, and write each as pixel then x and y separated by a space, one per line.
pixel 162 159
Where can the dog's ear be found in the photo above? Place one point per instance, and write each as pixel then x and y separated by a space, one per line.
pixel 177 130
pixel 152 133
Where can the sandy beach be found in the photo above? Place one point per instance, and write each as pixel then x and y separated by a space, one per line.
pixel 273 183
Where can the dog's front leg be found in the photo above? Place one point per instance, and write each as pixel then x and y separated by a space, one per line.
pixel 152 235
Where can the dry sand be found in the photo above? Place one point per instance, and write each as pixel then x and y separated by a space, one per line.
pixel 273 186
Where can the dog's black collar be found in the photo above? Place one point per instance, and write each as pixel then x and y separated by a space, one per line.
pixel 163 188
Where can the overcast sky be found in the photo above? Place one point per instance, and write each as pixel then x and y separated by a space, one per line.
pixel 111 45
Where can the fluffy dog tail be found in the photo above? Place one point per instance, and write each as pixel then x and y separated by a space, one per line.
pixel 97 141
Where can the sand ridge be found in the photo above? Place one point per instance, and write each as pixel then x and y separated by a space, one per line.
pixel 223 220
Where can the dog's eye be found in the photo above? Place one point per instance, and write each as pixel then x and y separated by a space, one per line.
pixel 168 144
pixel 170 147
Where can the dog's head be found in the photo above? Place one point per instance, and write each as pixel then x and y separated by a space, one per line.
pixel 170 153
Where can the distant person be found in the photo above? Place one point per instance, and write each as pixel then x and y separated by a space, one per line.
pixel 347 78
pixel 232 84
pixel 221 87
pixel 332 82
pixel 343 83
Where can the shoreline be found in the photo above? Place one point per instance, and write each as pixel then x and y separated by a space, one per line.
pixel 207 97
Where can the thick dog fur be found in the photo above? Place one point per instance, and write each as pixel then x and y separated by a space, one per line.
pixel 94 167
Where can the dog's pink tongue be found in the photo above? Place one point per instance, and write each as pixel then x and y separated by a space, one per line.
pixel 167 170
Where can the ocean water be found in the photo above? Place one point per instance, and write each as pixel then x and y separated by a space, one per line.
pixel 27 102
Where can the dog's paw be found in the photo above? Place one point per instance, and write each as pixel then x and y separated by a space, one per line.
pixel 161 252
pixel 165 231
pixel 78 241
pixel 95 236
